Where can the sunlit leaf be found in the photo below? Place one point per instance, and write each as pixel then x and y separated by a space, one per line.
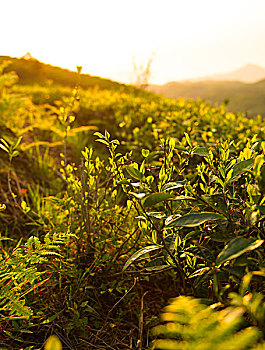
pixel 237 247
pixel 145 152
pixel 102 141
pixel 155 198
pixel 156 268
pixel 156 264
pixel 17 143
pixel 238 169
pixel 157 214
pixel 139 253
pixel 191 220
pixel 4 148
pixel 98 134
pixel 52 318
pixel 137 195
pixel 53 343
pixel 201 151
pixel 188 139
pixel 173 185
pixel 183 198
pixel 133 172
pixel 124 182
pixel 180 148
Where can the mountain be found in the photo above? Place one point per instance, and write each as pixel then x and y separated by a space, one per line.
pixel 250 73
pixel 242 97
pixel 243 88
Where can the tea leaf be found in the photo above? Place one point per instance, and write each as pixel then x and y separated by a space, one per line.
pixel 173 185
pixel 139 253
pixel 133 172
pixel 155 198
pixel 191 220
pixel 201 151
pixel 238 169
pixel 237 247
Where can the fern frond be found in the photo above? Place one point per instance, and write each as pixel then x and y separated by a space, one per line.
pixel 20 273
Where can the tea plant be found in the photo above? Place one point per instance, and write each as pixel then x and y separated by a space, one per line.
pixel 169 201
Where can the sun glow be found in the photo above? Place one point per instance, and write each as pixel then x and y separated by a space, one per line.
pixel 188 39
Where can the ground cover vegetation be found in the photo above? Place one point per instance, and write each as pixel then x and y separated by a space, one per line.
pixel 113 202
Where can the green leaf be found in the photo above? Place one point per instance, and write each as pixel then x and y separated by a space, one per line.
pixel 180 148
pixel 200 252
pixel 238 169
pixel 133 172
pixel 116 142
pixel 137 195
pixel 155 214
pixel 17 143
pixel 102 141
pixel 174 185
pixel 156 268
pixel 15 153
pixel 200 272
pixel 124 182
pixel 139 253
pixel 145 152
pixel 157 264
pixel 4 148
pixel 203 276
pixel 52 318
pixel 5 143
pixel 237 247
pixel 191 220
pixel 217 202
pixel 201 151
pixel 188 139
pixel 53 343
pixel 183 198
pixel 155 198
pixel 98 134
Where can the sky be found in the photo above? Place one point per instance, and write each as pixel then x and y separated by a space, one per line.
pixel 185 38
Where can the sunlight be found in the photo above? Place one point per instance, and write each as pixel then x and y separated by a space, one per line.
pixel 189 39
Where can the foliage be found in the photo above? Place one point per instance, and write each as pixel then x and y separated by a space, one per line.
pixel 20 272
pixel 190 324
pixel 98 231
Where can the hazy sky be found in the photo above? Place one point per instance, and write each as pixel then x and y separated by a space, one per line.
pixel 189 38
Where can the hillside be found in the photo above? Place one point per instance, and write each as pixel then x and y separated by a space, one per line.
pixel 31 71
pixel 242 97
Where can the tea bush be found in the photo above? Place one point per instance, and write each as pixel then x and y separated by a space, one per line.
pixel 99 231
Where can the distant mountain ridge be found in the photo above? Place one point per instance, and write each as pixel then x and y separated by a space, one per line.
pixel 245 96
pixel 250 73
